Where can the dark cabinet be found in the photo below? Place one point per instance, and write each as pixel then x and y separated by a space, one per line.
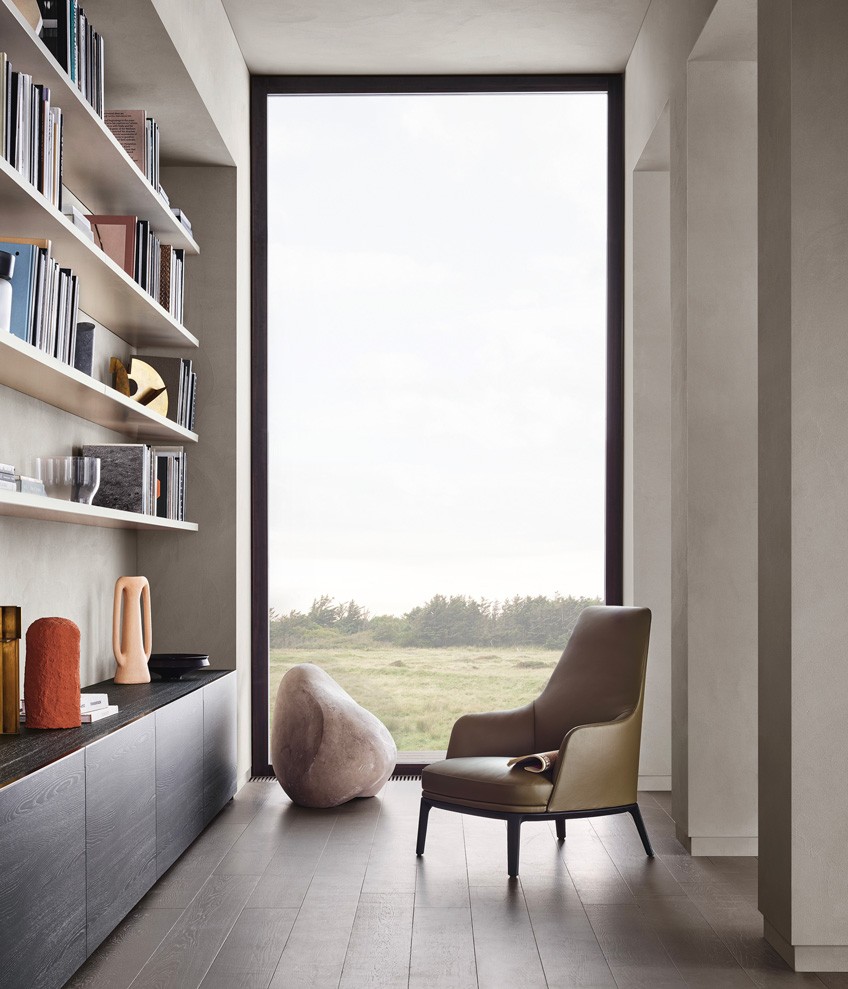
pixel 42 879
pixel 179 777
pixel 91 816
pixel 120 824
pixel 219 745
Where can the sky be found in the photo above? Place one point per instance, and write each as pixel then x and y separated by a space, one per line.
pixel 436 354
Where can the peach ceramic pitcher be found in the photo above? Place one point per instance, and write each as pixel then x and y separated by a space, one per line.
pixel 132 633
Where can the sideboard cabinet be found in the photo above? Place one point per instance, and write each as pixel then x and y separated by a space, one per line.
pixel 90 817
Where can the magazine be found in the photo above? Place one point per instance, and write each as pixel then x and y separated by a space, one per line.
pixel 538 762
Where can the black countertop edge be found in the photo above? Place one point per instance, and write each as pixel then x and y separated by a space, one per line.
pixel 34 748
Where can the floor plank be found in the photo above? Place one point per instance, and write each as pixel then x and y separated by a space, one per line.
pixel 249 956
pixel 189 949
pixel 378 951
pixel 504 943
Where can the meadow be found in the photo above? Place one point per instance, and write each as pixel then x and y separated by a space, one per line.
pixel 418 693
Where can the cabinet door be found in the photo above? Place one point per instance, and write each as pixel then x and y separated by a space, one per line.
pixel 120 824
pixel 219 744
pixel 179 777
pixel 42 876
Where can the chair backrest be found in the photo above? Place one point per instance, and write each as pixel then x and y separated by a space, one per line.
pixel 599 676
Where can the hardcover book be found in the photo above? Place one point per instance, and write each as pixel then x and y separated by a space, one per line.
pixel 115 236
pixel 124 476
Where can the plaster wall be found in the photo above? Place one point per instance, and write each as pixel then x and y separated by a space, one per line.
pixel 52 568
pixel 804 480
pixel 656 79
pixel 721 385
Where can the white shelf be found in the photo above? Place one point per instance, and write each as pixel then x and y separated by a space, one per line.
pixel 53 510
pixel 106 291
pixel 97 170
pixel 28 370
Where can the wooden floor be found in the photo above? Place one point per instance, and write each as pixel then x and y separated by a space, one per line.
pixel 275 895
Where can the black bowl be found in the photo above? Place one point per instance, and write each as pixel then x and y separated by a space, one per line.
pixel 172 665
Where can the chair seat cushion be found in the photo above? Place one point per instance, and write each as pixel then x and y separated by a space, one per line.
pixel 488 783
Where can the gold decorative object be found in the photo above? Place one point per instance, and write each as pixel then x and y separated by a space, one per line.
pixel 132 630
pixel 141 382
pixel 10 669
pixel 120 379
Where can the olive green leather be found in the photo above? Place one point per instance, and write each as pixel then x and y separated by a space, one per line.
pixel 590 709
pixel 486 782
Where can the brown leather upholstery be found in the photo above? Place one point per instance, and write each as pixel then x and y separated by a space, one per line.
pixel 591 710
pixel 487 781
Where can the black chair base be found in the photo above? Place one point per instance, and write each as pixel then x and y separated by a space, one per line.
pixel 514 822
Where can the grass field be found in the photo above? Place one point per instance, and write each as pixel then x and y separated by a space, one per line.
pixel 419 693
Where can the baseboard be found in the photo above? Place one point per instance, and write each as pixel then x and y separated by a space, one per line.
pixel 654 783
pixel 807 957
pixel 244 778
pixel 721 845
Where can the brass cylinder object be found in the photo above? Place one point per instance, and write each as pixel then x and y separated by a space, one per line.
pixel 10 669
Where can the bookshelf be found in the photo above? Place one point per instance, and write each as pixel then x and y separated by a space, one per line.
pixel 26 369
pixel 97 169
pixel 106 291
pixel 103 179
pixel 16 505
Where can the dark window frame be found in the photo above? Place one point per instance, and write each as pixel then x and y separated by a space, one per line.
pixel 264 86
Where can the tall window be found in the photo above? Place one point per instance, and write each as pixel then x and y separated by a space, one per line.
pixel 437 356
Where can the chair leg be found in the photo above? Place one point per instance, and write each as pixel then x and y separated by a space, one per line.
pixel 560 828
pixel 423 814
pixel 513 843
pixel 636 814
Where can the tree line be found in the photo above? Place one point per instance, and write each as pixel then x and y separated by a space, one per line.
pixel 456 620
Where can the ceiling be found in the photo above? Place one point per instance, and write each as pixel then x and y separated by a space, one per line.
pixel 315 37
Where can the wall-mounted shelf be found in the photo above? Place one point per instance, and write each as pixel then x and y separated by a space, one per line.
pixel 53 510
pixel 106 291
pixel 28 370
pixel 97 170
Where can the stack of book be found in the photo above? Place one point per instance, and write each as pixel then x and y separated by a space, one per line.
pixel 158 268
pixel 11 480
pixel 31 131
pixel 181 382
pixel 76 46
pixel 138 135
pixel 45 298
pixel 93 707
pixel 138 478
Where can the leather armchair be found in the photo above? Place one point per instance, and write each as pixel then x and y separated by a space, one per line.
pixel 590 711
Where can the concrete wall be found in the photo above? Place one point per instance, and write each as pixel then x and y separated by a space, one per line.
pixel 655 84
pixel 721 388
pixel 804 480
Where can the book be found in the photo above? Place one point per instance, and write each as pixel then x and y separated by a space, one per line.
pixel 89 702
pixel 537 762
pixel 176 373
pixel 79 220
pixel 89 717
pixel 116 236
pixel 84 348
pixel 23 287
pixel 128 127
pixel 29 485
pixel 124 476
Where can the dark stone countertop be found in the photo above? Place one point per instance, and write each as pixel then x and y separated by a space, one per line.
pixel 34 748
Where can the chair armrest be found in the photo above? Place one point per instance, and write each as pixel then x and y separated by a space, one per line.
pixel 598 765
pixel 507 733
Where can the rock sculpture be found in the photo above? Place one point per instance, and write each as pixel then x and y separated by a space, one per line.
pixel 325 748
pixel 52 674
pixel 132 633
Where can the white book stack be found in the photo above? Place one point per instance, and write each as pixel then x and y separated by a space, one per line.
pixel 93 707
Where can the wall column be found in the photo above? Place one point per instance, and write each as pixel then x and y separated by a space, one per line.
pixel 721 423
pixel 803 480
